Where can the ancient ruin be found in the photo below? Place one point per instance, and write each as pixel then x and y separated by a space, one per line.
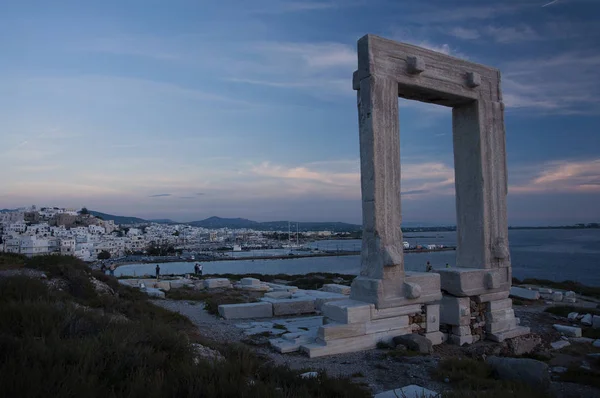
pixel 385 300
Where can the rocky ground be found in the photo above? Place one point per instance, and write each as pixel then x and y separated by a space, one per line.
pixel 384 369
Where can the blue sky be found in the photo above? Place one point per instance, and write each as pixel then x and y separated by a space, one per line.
pixel 188 109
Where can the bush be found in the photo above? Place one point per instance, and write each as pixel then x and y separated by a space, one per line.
pixel 52 347
pixel 11 261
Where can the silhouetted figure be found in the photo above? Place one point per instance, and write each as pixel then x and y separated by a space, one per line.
pixel 157 271
pixel 428 267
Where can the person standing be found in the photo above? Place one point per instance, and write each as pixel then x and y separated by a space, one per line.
pixel 196 268
pixel 157 271
pixel 200 269
pixel 428 267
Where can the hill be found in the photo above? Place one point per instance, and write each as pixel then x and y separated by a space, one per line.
pixel 118 219
pixel 218 222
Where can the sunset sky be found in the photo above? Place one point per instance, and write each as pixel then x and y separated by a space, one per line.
pixel 189 109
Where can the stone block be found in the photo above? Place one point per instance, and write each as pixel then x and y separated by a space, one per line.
pixel 461 330
pixel 333 288
pixel 319 302
pixel 280 294
pixel 499 305
pixel 352 344
pixel 455 310
pixel 596 343
pixel 163 285
pixel 387 324
pixel 557 345
pixel 524 293
pixel 572 316
pixel 414 342
pixel 557 296
pixel 570 294
pixel 485 298
pixel 587 320
pixel 460 340
pixel 596 322
pixel 335 331
pixel 501 315
pixel 463 282
pixel 395 311
pixel 411 391
pixel 432 312
pixel 389 293
pixel 544 290
pixel 285 346
pixel 569 331
pixel 213 283
pixel 246 310
pixel 154 292
pixel 569 300
pixel 436 338
pixel 347 311
pixel 293 306
pixel 501 326
pixel 508 334
pixel 250 282
pixel 525 370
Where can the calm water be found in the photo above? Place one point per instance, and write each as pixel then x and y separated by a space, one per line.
pixel 547 254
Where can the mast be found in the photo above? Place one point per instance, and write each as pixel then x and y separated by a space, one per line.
pixel 296 233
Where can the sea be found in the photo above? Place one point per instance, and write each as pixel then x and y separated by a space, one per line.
pixel 555 254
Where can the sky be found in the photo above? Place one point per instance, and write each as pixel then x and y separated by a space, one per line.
pixel 188 109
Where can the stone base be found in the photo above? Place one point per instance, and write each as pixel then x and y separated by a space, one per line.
pixel 413 288
pixel 246 310
pixel 508 334
pixel 464 282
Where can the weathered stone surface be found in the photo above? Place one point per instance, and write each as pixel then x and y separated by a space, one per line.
pixel 246 310
pixel 596 322
pixel 524 293
pixel 352 344
pixel 557 296
pixel 411 391
pixel 596 343
pixel 280 294
pixel 250 281
pixel 347 311
pixel 395 311
pixel 212 283
pixel 544 290
pixel 154 292
pixel 333 288
pixel 570 294
pixel 319 302
pixel 508 334
pixel 464 282
pixel 572 316
pixel 414 342
pixel 455 310
pixel 497 305
pixel 585 340
pixel 460 340
pixel 293 306
pixel 569 300
pixel 524 344
pixel 587 320
pixel 557 345
pixel 569 331
pixel 387 324
pixel 524 370
pixel 163 285
pixel 335 331
pixel 436 337
pixel 485 298
pixel 309 375
pixel 433 318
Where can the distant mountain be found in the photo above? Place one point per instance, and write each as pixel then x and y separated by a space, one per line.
pixel 218 222
pixel 163 221
pixel 118 219
pixel 7 210
pixel 235 223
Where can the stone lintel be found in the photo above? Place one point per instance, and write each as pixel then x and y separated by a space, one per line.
pixel 426 75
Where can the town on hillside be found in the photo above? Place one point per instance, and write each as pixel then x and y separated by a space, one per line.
pixel 35 231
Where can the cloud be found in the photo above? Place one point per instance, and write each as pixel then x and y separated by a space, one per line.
pixel 466 34
pixel 200 194
pixel 159 195
pixel 562 177
pixel 566 83
pixel 512 34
